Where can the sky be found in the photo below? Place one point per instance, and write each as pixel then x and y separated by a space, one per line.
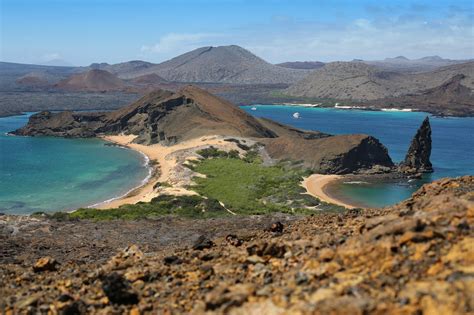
pixel 80 32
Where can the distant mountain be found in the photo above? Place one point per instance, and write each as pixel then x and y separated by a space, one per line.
pixel 35 79
pixel 346 80
pixel 359 81
pixel 452 97
pixel 224 64
pixel 18 76
pixel 124 70
pixel 404 64
pixel 148 79
pixel 92 80
pixel 307 65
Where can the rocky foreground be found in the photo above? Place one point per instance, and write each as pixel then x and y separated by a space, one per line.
pixel 416 257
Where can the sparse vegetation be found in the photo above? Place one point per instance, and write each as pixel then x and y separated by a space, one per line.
pixel 245 186
pixel 185 206
pixel 213 152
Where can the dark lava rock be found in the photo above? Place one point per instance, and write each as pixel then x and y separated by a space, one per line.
pixel 267 249
pixel 276 227
pixel 75 308
pixel 233 240
pixel 172 260
pixel 117 289
pixel 65 298
pixel 202 242
pixel 418 155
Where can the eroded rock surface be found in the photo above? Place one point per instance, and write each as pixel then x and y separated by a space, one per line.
pixel 417 158
pixel 169 118
pixel 412 258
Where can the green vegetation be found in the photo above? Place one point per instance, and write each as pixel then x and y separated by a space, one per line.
pixel 246 186
pixel 184 206
pixel 213 152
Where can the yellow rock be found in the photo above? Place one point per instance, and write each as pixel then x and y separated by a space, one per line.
pixel 461 254
pixel 134 311
pixel 322 294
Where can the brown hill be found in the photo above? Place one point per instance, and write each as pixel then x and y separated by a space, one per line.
pixel 223 64
pixel 33 79
pixel 92 80
pixel 171 117
pixel 148 79
pixel 359 81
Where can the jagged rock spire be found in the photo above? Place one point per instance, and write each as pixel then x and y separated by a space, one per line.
pixel 418 155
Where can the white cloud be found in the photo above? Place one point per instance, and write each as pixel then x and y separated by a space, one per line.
pixel 284 39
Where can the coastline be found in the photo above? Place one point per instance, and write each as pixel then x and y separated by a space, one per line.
pixel 151 172
pixel 317 186
pixel 137 193
pixel 167 167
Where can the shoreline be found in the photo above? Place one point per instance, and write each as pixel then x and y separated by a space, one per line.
pixel 167 167
pixel 138 193
pixel 145 181
pixel 317 186
pixel 434 113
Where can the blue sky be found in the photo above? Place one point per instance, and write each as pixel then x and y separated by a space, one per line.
pixel 84 31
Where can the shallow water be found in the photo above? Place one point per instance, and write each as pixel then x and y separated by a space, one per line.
pixel 51 174
pixel 452 153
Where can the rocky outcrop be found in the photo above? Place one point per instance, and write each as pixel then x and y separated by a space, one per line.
pixel 341 154
pixel 413 258
pixel 171 117
pixel 417 158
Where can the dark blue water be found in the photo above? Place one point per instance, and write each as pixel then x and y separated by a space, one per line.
pixel 452 153
pixel 51 174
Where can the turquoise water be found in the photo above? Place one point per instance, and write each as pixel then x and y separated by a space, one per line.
pixel 452 153
pixel 51 174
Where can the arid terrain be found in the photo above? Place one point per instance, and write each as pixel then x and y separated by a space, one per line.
pixel 415 257
pixel 241 77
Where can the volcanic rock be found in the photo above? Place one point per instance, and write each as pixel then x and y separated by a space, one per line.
pixel 417 158
pixel 171 117
pixel 45 264
pixel 92 80
pixel 118 289
pixel 412 258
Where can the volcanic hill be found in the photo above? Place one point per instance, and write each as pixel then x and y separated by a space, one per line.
pixel 223 64
pixel 92 80
pixel 359 81
pixel 172 117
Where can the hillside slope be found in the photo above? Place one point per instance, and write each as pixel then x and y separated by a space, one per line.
pixel 359 81
pixel 169 118
pixel 413 258
pixel 92 80
pixel 223 64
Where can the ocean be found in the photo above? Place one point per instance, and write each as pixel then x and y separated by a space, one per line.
pixel 54 174
pixel 452 152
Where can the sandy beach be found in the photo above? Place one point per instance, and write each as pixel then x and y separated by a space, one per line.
pixel 168 167
pixel 315 185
